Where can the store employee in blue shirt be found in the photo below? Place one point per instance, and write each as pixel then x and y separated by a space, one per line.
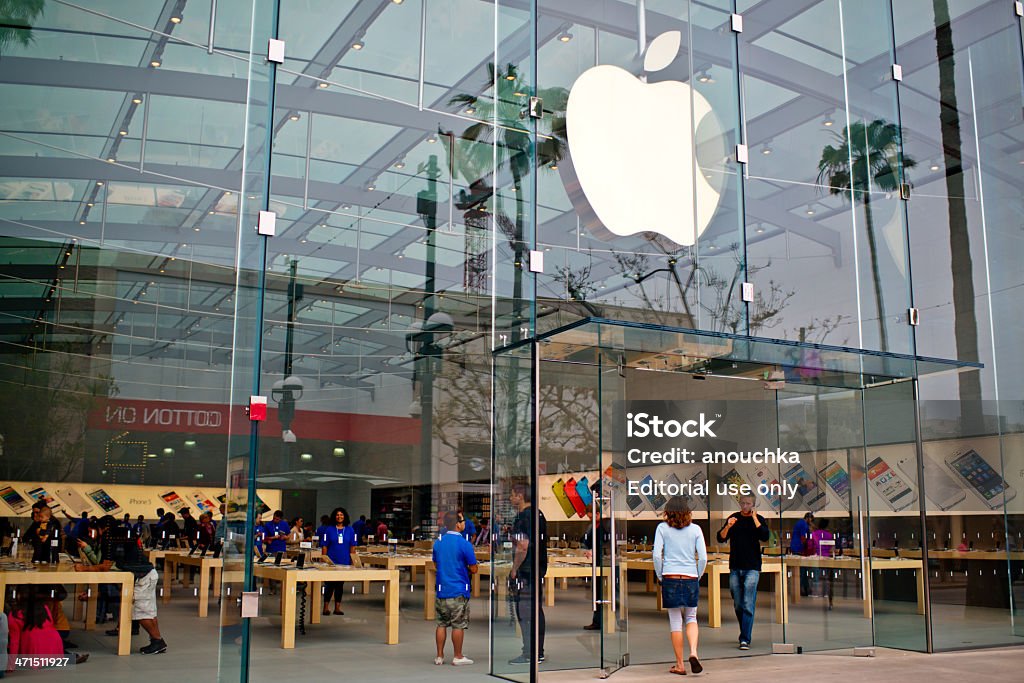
pixel 275 533
pixel 455 561
pixel 336 542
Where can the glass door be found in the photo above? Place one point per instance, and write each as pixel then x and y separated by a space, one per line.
pixel 611 591
pixel 826 527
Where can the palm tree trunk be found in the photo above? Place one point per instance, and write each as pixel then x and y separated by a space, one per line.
pixel 876 276
pixel 965 326
pixel 519 252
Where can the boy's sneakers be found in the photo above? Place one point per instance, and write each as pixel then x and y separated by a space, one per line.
pixel 461 661
pixel 744 645
pixel 439 660
pixel 155 647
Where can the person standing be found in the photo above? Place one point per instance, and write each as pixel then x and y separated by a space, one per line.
pixel 680 557
pixel 275 533
pixel 528 542
pixel 745 530
pixel 822 544
pixel 120 551
pixel 190 527
pixel 597 546
pixel 360 528
pixel 455 560
pixel 799 545
pixel 336 542
pixel 470 531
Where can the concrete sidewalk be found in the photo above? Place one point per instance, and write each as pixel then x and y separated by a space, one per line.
pixel 1001 664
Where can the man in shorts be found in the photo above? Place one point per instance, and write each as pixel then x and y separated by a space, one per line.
pixel 120 550
pixel 455 561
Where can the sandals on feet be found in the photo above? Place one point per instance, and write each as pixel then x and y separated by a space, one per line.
pixel 677 671
pixel 695 665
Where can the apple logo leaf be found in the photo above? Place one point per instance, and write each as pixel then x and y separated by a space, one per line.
pixel 662 51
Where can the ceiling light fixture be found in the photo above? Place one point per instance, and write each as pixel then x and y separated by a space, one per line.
pixel 322 85
pixel 400 164
pixel 810 210
pixel 431 139
pixel 122 132
pixel 828 122
pixel 934 166
pixel 175 20
pixel 137 100
pixel 704 77
pixel 565 36
pixel 155 63
pixel 294 117
pixel 358 45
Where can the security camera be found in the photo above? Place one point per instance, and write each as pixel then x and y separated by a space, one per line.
pixel 288 436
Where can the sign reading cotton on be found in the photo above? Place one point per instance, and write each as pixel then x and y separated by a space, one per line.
pixel 631 145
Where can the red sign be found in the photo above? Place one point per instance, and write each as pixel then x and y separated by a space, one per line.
pixel 211 418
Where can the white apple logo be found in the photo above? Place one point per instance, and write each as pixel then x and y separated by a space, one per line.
pixel 632 151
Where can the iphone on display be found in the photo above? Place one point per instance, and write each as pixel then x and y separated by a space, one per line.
pixel 974 471
pixel 574 497
pixel 837 479
pixel 734 477
pixel 615 475
pixel 203 503
pixel 764 477
pixel 172 499
pixel 695 477
pixel 583 488
pixel 635 504
pixel 896 492
pixel 106 503
pixel 558 488
pixel 813 495
pixel 41 494
pixel 74 501
pixel 14 500
pixel 657 501
pixel 939 487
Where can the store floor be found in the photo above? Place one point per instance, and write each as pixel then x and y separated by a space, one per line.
pixel 351 647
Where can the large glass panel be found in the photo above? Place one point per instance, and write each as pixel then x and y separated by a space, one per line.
pixel 826 558
pixel 121 157
pixel 519 553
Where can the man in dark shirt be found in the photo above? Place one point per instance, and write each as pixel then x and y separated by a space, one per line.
pixel 745 530
pixel 526 543
pixel 191 528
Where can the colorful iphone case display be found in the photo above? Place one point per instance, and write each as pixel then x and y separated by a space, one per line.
pixel 586 495
pixel 558 488
pixel 574 497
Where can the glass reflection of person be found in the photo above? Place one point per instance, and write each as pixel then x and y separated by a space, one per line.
pixel 525 543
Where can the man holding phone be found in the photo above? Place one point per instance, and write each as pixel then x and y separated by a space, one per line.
pixel 745 530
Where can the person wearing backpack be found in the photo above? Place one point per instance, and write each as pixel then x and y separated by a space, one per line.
pixel 121 551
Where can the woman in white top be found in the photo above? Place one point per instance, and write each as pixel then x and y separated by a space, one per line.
pixel 680 557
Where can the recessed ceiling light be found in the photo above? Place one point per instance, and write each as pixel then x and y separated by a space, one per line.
pixel 358 45
pixel 470 110
pixel 155 63
pixel 322 85
pixel 175 20
pixel 828 121
pixel 196 229
pixel 99 183
pixel 294 117
pixel 759 230
pixel 400 164
pixel 810 210
pixel 89 204
pixel 432 139
pixel 122 132
pixel 565 36
pixel 933 167
pixel 306 456
pixel 137 100
pixel 81 222
pixel 371 187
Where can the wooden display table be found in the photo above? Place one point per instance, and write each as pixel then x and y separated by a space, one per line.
pixel 795 562
pixel 411 560
pixel 208 567
pixel 65 574
pixel 315 577
pixel 500 578
pixel 716 569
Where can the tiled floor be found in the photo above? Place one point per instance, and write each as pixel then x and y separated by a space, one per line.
pixel 351 647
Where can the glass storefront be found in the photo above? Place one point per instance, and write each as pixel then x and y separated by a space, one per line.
pixel 810 208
